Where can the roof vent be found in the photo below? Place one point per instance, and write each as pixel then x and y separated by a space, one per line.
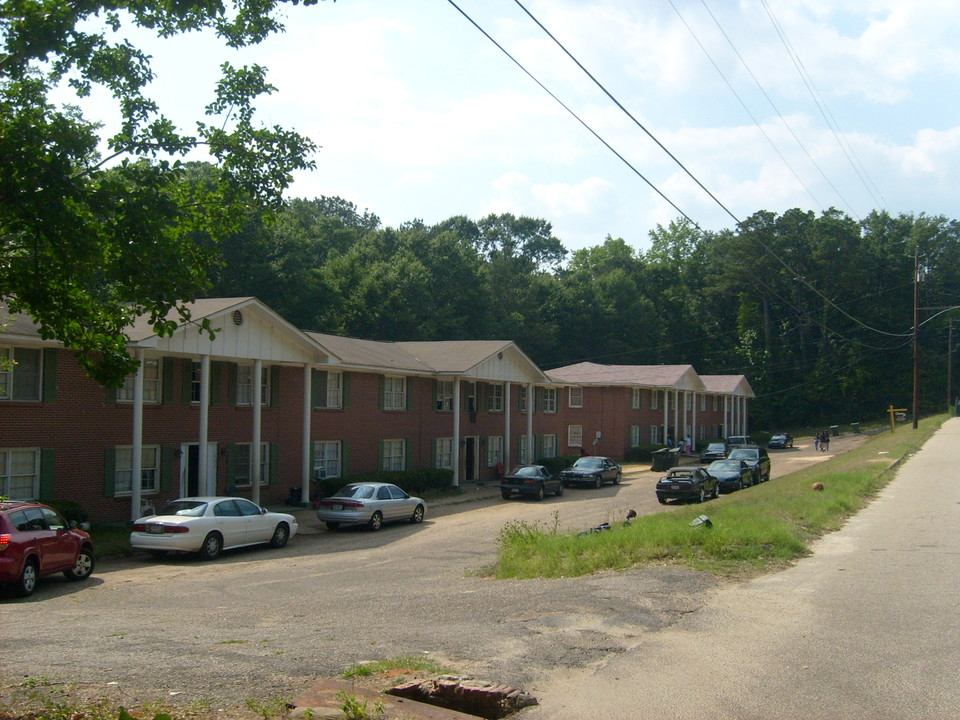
pixel 237 317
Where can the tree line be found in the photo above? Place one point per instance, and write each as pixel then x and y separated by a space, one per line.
pixel 815 310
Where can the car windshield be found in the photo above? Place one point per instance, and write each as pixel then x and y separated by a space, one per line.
pixel 779 437
pixel 526 471
pixel 359 492
pixel 743 454
pixel 590 463
pixel 714 447
pixel 724 465
pixel 190 508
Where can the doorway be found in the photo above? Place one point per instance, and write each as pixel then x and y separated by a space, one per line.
pixel 190 470
pixel 471 459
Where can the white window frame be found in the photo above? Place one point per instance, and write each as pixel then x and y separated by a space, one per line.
pixel 654 399
pixel 443 453
pixel 522 399
pixel 548 444
pixel 549 400
pixel 523 456
pixel 245 385
pixel 654 434
pixel 151 383
pixel 394 392
pixel 7 469
pixel 334 391
pixel 575 397
pixel 636 398
pixel 703 402
pixel 11 378
pixel 575 436
pixel 245 449
pixel 470 396
pixel 494 450
pixel 444 399
pixel 394 455
pixel 327 459
pixel 716 403
pixel 636 436
pixel 495 397
pixel 149 470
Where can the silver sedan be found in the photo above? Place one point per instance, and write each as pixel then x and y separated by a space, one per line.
pixel 369 503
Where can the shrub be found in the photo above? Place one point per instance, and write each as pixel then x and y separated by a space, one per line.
pixel 71 511
pixel 642 453
pixel 556 464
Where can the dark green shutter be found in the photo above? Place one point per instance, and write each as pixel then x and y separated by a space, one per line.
pixel 274 463
pixel 167 381
pixel 166 468
pixel 49 375
pixel 383 382
pixel 318 380
pixel 275 386
pixel 47 473
pixel 231 469
pixel 433 452
pixel 111 394
pixel 436 393
pixel 346 390
pixel 379 455
pixel 109 472
pixel 537 447
pixel 344 459
pixel 407 454
pixel 232 373
pixel 186 381
pixel 410 385
pixel 216 375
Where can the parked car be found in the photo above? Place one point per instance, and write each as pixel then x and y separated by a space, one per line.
pixel 209 525
pixel 531 480
pixel 687 483
pixel 756 457
pixel 36 541
pixel 731 474
pixel 736 441
pixel 781 440
pixel 714 451
pixel 371 504
pixel 592 470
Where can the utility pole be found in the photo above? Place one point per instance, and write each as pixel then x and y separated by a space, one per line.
pixel 950 366
pixel 916 344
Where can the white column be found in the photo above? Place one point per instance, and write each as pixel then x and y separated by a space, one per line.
pixel 255 440
pixel 307 417
pixel 456 432
pixel 677 432
pixel 746 416
pixel 205 485
pixel 531 404
pixel 506 428
pixel 693 434
pixel 666 414
pixel 683 433
pixel 136 450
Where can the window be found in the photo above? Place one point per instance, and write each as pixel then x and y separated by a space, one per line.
pixel 327 389
pixel 575 436
pixel 703 403
pixel 549 446
pixel 444 399
pixel 242 468
pixel 151 384
pixel 494 450
pixel 20 473
pixel 495 398
pixel 654 399
pixel 471 396
pixel 394 455
pixel 716 403
pixel 245 385
pixel 549 400
pixel 654 434
pixel 19 373
pixel 327 460
pixel 522 399
pixel 523 456
pixel 334 389
pixel 195 383
pixel 394 392
pixel 575 397
pixel 635 436
pixel 688 400
pixel 149 470
pixel 635 395
pixel 443 457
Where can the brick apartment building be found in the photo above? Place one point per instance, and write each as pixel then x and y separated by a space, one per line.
pixel 270 408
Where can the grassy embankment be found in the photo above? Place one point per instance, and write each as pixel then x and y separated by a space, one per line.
pixel 753 531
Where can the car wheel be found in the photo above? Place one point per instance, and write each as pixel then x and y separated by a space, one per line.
pixel 540 493
pixel 716 491
pixel 616 479
pixel 83 567
pixel 740 484
pixel 505 494
pixel 281 533
pixel 661 500
pixel 559 489
pixel 212 545
pixel 27 581
pixel 332 525
pixel 703 495
pixel 376 521
pixel 417 516
pixel 597 481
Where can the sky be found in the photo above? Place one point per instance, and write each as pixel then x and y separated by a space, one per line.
pixel 768 104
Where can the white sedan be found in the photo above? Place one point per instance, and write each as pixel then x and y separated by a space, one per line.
pixel 208 525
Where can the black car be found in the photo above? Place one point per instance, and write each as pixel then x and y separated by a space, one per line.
pixel 531 480
pixel 592 470
pixel 687 483
pixel 731 474
pixel 714 451
pixel 756 457
pixel 781 441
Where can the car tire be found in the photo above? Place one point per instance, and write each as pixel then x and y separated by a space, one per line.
pixel 541 493
pixel 417 516
pixel 376 521
pixel 83 568
pixel 716 491
pixel 740 484
pixel 27 582
pixel 281 534
pixel 616 479
pixel 332 525
pixel 598 482
pixel 661 500
pixel 505 494
pixel 703 496
pixel 559 489
pixel 212 546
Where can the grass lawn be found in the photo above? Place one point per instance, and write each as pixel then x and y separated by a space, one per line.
pixel 753 531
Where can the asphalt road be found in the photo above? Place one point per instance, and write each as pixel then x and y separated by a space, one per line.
pixel 264 623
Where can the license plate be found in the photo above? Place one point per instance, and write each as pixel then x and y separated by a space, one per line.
pixel 155 529
pixel 674 487
pixel 336 507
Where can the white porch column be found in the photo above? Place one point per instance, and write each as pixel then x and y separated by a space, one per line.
pixel 506 428
pixel 456 432
pixel 205 485
pixel 531 402
pixel 136 450
pixel 746 416
pixel 677 430
pixel 693 433
pixel 306 471
pixel 684 433
pixel 666 414
pixel 255 439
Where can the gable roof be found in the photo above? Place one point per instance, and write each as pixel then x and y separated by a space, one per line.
pixel 728 385
pixel 675 377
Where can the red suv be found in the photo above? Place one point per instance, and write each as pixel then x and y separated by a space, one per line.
pixel 35 541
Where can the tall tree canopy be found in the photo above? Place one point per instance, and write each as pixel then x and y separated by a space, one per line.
pixel 95 231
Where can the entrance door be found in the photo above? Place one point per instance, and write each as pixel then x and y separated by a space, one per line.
pixel 190 470
pixel 471 459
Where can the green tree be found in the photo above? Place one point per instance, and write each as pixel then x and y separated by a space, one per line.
pixel 77 226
